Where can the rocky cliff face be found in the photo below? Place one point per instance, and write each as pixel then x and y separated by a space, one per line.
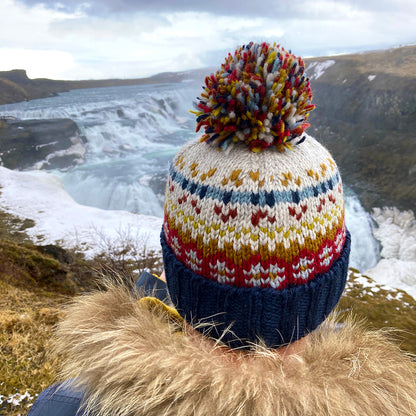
pixel 366 115
pixel 40 144
pixel 15 86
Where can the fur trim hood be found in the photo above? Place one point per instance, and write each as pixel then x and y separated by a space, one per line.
pixel 136 361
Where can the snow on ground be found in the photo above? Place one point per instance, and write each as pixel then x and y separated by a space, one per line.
pixel 371 287
pixel 397 234
pixel 317 69
pixel 16 399
pixel 40 196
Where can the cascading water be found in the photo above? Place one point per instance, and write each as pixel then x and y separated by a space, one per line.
pixel 365 250
pixel 132 134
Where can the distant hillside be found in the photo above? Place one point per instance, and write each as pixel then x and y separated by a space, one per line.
pixel 15 86
pixel 366 115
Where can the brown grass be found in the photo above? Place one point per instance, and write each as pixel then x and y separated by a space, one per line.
pixel 35 281
pixel 381 308
pixel 27 318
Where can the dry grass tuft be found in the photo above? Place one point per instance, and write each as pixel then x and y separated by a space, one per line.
pixel 27 318
pixel 127 256
pixel 35 282
pixel 382 308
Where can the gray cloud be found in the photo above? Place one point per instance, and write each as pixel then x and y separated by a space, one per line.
pixel 305 10
pixel 381 5
pixel 132 38
pixel 266 8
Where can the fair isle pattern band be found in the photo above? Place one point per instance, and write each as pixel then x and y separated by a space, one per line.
pixel 241 317
pixel 268 220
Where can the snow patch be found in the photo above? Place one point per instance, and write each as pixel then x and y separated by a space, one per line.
pixel 319 68
pixel 370 284
pixel 397 234
pixel 396 273
pixel 77 150
pixel 16 399
pixel 371 77
pixel 370 287
pixel 40 196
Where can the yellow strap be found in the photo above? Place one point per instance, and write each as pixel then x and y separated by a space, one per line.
pixel 158 307
pixel 155 275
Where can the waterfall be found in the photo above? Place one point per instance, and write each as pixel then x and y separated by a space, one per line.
pixel 131 135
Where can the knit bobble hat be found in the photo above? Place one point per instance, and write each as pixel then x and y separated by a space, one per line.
pixel 254 241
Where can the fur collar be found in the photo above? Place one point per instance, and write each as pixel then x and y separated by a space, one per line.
pixel 133 361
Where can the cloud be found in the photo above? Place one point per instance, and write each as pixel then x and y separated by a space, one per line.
pixel 113 38
pixel 277 10
pixel 106 29
pixel 220 7
pixel 21 27
pixel 38 63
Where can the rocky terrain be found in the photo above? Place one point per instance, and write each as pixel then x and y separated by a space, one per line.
pixel 366 115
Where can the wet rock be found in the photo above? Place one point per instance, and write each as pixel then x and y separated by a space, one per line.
pixel 158 184
pixel 40 144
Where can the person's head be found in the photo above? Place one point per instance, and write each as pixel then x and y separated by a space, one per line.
pixel 254 240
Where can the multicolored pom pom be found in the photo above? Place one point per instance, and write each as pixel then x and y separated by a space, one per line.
pixel 259 96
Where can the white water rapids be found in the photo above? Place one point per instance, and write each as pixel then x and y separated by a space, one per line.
pixel 133 132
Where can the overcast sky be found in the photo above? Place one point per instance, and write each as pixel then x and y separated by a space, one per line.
pixel 93 39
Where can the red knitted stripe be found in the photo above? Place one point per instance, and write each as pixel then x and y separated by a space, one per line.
pixel 214 265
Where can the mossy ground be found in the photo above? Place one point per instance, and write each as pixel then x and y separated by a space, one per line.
pixel 380 307
pixel 27 317
pixel 36 281
pixel 33 288
pixel 13 228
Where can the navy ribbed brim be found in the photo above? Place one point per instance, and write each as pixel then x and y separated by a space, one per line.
pixel 242 316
